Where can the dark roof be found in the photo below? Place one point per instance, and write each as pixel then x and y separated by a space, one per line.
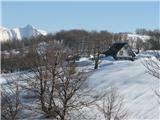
pixel 113 50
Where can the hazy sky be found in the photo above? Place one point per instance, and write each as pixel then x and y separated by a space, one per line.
pixel 55 16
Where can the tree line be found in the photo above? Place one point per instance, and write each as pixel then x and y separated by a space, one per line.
pixel 80 42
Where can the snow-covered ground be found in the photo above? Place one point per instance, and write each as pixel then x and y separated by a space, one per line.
pixel 132 80
pixel 149 54
pixel 136 36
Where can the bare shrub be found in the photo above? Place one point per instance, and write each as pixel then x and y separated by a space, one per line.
pixel 153 67
pixel 112 106
pixel 10 101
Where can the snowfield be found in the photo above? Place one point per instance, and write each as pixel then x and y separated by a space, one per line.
pixel 131 79
pixel 133 82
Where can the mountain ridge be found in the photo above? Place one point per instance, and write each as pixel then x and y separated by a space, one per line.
pixel 30 31
pixel 19 33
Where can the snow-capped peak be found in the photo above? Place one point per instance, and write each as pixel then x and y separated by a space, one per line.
pixel 29 26
pixel 19 33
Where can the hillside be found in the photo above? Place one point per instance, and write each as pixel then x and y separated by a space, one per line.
pixel 129 77
pixel 137 36
pixel 133 82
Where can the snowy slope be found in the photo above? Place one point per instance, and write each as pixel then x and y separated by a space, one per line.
pixel 134 39
pixel 136 36
pixel 133 82
pixel 19 33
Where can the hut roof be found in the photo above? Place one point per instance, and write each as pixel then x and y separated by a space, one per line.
pixel 113 50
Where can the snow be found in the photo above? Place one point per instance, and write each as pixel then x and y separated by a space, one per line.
pixel 19 33
pixel 135 36
pixel 2 80
pixel 83 59
pixel 149 54
pixel 132 80
pixel 42 32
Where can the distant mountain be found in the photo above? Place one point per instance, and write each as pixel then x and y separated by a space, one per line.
pixel 19 33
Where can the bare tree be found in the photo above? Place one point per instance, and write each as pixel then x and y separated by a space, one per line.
pixel 96 56
pixel 10 101
pixel 96 49
pixel 153 67
pixel 56 82
pixel 139 44
pixel 112 106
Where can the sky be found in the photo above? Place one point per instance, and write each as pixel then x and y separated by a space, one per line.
pixel 55 16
